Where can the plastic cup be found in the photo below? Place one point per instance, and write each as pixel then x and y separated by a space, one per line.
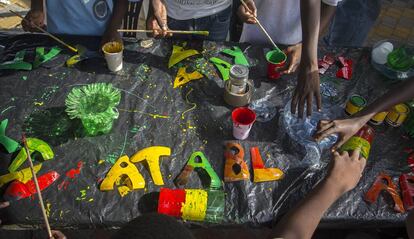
pixel 243 119
pixel 113 55
pixel 276 60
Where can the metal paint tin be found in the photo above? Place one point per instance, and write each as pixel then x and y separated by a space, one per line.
pixel 397 115
pixel 355 104
pixel 239 76
pixel 378 118
pixel 362 140
pixel 238 100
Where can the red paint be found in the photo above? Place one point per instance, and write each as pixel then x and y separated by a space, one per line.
pixel 18 190
pixel 171 201
pixel 243 116
pixel 257 161
pixel 407 190
pixel 74 172
pixel 63 185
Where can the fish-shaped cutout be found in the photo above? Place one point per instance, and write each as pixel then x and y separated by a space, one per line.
pixel 183 77
pixel 179 54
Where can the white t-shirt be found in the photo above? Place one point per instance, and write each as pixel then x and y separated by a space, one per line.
pixel 192 9
pixel 281 19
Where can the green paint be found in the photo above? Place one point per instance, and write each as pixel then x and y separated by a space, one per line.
pixel 24 77
pixel 17 63
pixel 203 163
pixel 222 66
pixel 276 57
pixel 41 57
pixel 358 101
pixel 10 144
pixel 239 57
pixel 34 145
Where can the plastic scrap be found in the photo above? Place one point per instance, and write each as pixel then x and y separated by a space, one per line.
pixel 202 163
pixel 183 77
pixel 346 70
pixel 123 167
pixel 262 174
pixel 152 155
pixel 239 57
pixel 179 54
pixel 34 145
pixel 170 201
pixel 18 190
pixel 8 143
pixel 235 168
pixel 41 57
pixel 325 63
pixel 23 175
pixel 407 190
pixel 222 66
pixel 17 63
pixel 378 186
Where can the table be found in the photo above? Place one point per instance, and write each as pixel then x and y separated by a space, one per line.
pixel 36 104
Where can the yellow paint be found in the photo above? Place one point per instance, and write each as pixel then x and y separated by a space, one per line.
pixel 195 205
pixel 152 156
pixel 379 118
pixel 267 174
pixel 194 105
pixel 356 142
pixel 23 175
pixel 38 103
pixel 183 77
pixel 144 113
pixel 101 161
pixel 112 47
pixel 73 60
pixel 352 108
pixel 34 145
pixel 123 167
pixel 179 54
pixel 48 206
pixel 398 115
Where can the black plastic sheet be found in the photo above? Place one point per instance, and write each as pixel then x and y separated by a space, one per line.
pixel 36 105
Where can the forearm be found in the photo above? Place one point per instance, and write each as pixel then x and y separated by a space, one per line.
pixel 401 93
pixel 327 12
pixel 310 18
pixel 120 9
pixel 36 5
pixel 303 220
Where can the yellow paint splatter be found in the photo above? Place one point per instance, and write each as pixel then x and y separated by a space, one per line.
pixel 38 103
pixel 48 206
pixel 194 105
pixel 149 114
pixel 101 161
pixel 90 200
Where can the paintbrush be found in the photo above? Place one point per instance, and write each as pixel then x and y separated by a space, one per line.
pixel 203 33
pixel 260 25
pixel 39 194
pixel 47 33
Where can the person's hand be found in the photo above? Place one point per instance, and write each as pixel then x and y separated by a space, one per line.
pixel 345 128
pixel 306 89
pixel 248 15
pixel 157 21
pixel 294 53
pixel 109 36
pixel 33 18
pixel 345 170
pixel 57 235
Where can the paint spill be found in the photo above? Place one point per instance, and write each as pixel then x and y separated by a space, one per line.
pixel 48 206
pixel 38 103
pixel 74 172
pixel 194 105
pixel 155 116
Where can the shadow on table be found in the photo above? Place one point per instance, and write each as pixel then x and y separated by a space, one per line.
pixel 148 203
pixel 53 125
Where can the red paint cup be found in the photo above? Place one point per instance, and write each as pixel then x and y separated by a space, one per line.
pixel 243 119
pixel 171 201
pixel 276 60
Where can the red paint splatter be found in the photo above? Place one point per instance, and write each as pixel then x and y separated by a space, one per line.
pixel 408 150
pixel 74 172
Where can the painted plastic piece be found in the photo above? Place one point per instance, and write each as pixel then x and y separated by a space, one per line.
pixel 192 164
pixel 18 190
pixel 152 155
pixel 410 161
pixel 179 54
pixel 183 77
pixel 17 63
pixel 34 145
pixel 215 206
pixel 123 167
pixel 239 57
pixel 378 186
pixel 8 143
pixel 222 66
pixel 41 57
pixel 23 175
pixel 171 201
pixel 407 189
pixel 262 174
pixel 235 168
pixel 195 205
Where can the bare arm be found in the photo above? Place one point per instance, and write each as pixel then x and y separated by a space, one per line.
pixel 348 127
pixel 111 33
pixel 344 174
pixel 327 12
pixel 35 16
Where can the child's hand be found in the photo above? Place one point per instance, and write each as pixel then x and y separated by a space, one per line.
pixel 345 171
pixel 33 18
pixel 247 15
pixel 58 235
pixel 157 21
pixel 294 53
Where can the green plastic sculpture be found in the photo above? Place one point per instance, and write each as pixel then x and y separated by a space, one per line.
pixel 239 57
pixel 41 57
pixel 34 145
pixel 198 160
pixel 400 60
pixel 10 144
pixel 222 66
pixel 17 63
pixel 95 105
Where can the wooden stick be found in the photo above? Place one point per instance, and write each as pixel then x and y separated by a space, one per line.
pixel 204 33
pixel 260 25
pixel 47 33
pixel 39 194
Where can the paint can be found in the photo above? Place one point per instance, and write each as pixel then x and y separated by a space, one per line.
pixel 113 52
pixel 378 118
pixel 243 120
pixel 362 140
pixel 355 104
pixel 239 76
pixel 276 60
pixel 397 115
pixel 238 100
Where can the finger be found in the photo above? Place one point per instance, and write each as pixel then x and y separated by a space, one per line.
pixel 4 204
pixel 324 125
pixel 363 164
pixel 294 103
pixel 326 133
pixel 338 144
pixel 355 154
pixel 309 106
pixel 301 107
pixel 252 7
pixel 318 100
pixel 336 154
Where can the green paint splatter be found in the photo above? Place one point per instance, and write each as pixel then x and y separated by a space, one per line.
pixel 24 77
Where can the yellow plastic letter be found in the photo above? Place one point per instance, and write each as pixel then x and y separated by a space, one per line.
pixel 23 175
